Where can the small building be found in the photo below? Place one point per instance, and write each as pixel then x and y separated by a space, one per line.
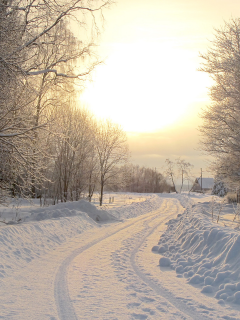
pixel 202 184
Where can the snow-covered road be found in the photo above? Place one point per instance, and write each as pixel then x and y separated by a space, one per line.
pixel 106 272
pixel 104 278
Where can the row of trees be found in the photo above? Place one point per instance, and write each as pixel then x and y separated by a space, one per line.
pixel 142 179
pixel 49 146
pixel 81 155
pixel 221 119
pixel 41 63
pixel 86 154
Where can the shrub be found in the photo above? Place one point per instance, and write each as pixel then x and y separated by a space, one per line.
pixel 231 197
pixel 219 189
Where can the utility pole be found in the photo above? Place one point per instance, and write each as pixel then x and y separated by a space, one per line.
pixel 182 178
pixel 201 179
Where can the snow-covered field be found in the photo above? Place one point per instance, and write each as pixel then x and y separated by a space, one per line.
pixel 141 256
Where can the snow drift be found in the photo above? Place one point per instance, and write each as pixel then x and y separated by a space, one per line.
pixel 69 209
pixel 41 229
pixel 151 203
pixel 206 254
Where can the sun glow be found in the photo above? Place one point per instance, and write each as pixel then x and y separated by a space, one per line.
pixel 145 86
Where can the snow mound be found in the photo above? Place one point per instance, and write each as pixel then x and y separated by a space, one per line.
pixel 206 254
pixel 23 211
pixel 151 203
pixel 44 229
pixel 70 209
pixel 22 243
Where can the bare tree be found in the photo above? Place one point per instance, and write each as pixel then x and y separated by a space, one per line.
pixel 178 169
pixel 170 172
pixel 112 152
pixel 93 173
pixel 184 169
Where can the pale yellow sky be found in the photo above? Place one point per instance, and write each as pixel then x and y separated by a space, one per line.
pixel 149 82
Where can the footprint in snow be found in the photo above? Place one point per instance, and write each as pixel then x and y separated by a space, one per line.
pixel 133 305
pixel 147 300
pixel 139 316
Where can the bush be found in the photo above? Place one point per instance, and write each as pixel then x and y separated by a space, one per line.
pixel 232 197
pixel 219 189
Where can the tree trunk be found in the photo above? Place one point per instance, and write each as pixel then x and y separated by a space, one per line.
pixel 101 193
pixel 173 184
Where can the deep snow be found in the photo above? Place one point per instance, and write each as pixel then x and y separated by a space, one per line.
pixel 41 229
pixel 199 253
pixel 201 250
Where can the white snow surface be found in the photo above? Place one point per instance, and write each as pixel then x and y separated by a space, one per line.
pixel 148 256
pixel 51 226
pixel 203 252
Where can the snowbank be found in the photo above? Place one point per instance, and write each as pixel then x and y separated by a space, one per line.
pixel 41 229
pixel 206 254
pixel 20 244
pixel 69 209
pixel 124 206
pixel 152 202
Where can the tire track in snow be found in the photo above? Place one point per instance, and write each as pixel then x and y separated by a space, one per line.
pixel 158 289
pixel 61 292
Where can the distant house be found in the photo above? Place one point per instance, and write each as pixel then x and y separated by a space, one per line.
pixel 203 184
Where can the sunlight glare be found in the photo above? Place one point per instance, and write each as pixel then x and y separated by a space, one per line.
pixel 144 86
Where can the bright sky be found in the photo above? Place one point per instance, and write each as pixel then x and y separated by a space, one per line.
pixel 149 83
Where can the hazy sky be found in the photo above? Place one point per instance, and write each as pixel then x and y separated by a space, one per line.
pixel 149 82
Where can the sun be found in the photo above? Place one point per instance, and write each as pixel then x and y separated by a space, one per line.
pixel 144 87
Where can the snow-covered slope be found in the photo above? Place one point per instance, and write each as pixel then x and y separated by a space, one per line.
pixel 42 229
pixel 151 202
pixel 56 256
pixel 205 253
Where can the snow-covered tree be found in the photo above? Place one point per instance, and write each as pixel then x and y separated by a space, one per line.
pixel 219 188
pixel 221 119
pixel 112 152
pixel 39 55
pixel 73 149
